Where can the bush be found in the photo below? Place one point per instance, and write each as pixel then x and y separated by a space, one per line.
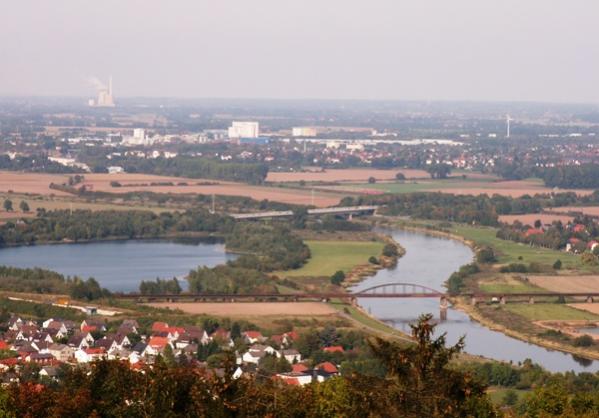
pixel 588 259
pixel 371 180
pixel 486 255
pixel 557 265
pixel 514 268
pixel 583 341
pixel 373 260
pixel 390 250
pixel 337 278
pixel 115 184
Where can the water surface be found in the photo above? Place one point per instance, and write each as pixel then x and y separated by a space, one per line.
pixel 120 265
pixel 429 261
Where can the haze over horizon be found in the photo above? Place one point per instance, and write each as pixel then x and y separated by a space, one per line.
pixel 470 50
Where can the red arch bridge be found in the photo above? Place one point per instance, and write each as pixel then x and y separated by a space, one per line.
pixel 387 290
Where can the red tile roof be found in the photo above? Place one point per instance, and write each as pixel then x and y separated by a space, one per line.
pixel 299 368
pixel 158 342
pixel 160 327
pixel 333 349
pixel 327 367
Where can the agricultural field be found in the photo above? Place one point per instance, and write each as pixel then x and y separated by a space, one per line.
pixel 35 183
pixel 530 218
pixel 49 203
pixel 455 185
pixel 549 312
pixel 573 284
pixel 344 175
pixel 586 210
pixel 251 309
pixel 513 252
pixel 508 284
pixel 330 256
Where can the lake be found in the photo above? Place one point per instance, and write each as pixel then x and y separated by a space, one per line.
pixel 120 265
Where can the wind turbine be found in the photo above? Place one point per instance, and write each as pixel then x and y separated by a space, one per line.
pixel 508 119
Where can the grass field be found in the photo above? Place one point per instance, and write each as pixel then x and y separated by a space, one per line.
pixel 507 284
pixel 331 256
pixel 509 251
pixel 549 311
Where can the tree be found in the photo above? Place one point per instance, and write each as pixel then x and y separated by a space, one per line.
pixel 390 250
pixel 337 278
pixel 485 255
pixel 510 398
pixel 371 180
pixel 24 206
pixel 373 260
pixel 421 381
pixel 557 265
pixel 439 171
pixel 400 176
pixel 8 205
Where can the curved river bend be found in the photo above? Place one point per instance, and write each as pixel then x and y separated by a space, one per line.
pixel 429 261
pixel 121 265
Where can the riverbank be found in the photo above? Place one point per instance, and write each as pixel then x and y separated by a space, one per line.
pixel 553 345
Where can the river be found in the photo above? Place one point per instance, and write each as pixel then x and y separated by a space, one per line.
pixel 120 265
pixel 429 261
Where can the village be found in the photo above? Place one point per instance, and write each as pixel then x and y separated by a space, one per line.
pixel 44 349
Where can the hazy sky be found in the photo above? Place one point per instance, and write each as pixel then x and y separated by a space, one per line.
pixel 545 50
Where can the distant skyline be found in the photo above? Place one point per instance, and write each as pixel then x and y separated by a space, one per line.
pixel 473 50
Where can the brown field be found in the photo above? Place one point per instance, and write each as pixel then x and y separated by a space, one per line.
pixel 515 188
pixel 587 210
pixel 346 175
pixel 530 218
pixel 589 307
pixel 567 283
pixel 34 183
pixel 251 309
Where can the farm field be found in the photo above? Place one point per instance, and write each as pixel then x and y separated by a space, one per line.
pixel 586 210
pixel 509 251
pixel 549 312
pixel 34 183
pixel 345 175
pixel 331 256
pixel 507 284
pixel 59 204
pixel 587 307
pixel 567 283
pixel 251 309
pixel 530 218
pixel 457 185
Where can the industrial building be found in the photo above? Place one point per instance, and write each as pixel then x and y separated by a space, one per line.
pixel 105 98
pixel 244 130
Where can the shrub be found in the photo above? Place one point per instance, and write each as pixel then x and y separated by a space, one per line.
pixel 557 265
pixel 486 255
pixel 514 268
pixel 390 250
pixel 373 260
pixel 338 278
pixel 583 341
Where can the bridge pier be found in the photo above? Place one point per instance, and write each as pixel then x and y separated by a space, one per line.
pixel 589 299
pixel 443 314
pixel 443 303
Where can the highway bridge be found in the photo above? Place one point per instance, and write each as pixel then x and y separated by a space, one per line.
pixel 343 211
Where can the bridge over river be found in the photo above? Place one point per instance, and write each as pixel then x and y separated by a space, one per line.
pixel 387 290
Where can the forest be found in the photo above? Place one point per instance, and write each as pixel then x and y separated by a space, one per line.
pixel 585 176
